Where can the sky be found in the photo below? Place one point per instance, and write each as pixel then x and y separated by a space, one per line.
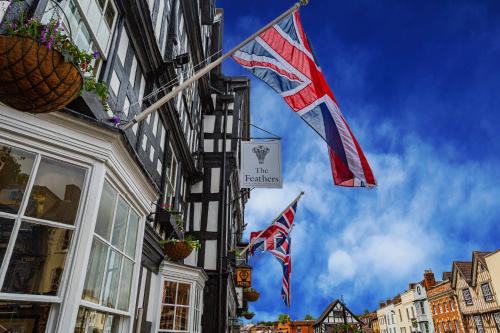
pixel 418 82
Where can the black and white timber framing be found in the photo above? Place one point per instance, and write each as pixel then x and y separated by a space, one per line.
pixel 153 43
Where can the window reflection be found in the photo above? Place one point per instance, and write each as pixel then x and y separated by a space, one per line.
pixel 120 226
pixel 6 226
pixel 96 322
pixel 106 211
pixel 24 317
pixel 175 307
pixel 125 285
pixel 112 279
pixel 15 168
pixel 37 260
pixel 95 272
pixel 167 317
pixel 56 193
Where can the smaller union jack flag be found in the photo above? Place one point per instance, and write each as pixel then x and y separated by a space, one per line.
pixel 283 254
pixel 272 237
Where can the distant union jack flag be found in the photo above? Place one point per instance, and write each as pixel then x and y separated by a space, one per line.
pixel 282 57
pixel 276 239
pixel 283 254
pixel 274 235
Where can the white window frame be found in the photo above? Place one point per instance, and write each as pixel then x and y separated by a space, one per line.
pixel 125 317
pixel 56 300
pixel 195 277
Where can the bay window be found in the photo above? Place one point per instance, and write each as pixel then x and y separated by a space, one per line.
pixel 181 299
pixel 39 206
pixel 112 258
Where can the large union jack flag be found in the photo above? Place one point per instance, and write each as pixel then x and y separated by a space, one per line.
pixel 282 57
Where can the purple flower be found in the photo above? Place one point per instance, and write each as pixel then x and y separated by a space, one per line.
pixel 115 120
pixel 96 54
pixel 13 25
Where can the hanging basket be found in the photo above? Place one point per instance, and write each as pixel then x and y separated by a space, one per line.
pixel 176 251
pixel 251 295
pixel 249 315
pixel 34 78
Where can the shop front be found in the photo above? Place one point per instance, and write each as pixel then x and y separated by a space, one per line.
pixel 73 203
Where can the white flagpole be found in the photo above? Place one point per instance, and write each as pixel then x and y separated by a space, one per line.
pixel 277 217
pixel 162 101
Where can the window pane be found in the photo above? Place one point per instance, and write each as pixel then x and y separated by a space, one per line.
pixel 24 317
pixel 181 318
pixel 167 317
pixel 125 285
pixel 56 193
pixel 120 226
pixel 106 211
pixel 15 168
pixel 183 294
pixel 133 225
pixel 6 226
pixel 95 272
pixel 112 278
pixel 169 292
pixel 37 261
pixel 91 321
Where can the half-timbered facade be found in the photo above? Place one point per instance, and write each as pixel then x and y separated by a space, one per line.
pixel 335 316
pixel 479 305
pixel 97 265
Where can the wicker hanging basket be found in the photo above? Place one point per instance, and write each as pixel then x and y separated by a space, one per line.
pixel 176 251
pixel 34 78
pixel 248 315
pixel 250 295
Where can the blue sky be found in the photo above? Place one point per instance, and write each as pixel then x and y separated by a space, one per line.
pixel 418 82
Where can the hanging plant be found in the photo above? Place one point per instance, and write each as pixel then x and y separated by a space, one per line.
pixel 179 249
pixel 42 70
pixel 248 314
pixel 250 294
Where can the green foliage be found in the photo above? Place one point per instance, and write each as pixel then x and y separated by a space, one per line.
pixel 249 290
pixel 266 323
pixel 284 318
pixel 346 328
pixel 189 240
pixel 308 317
pixel 53 36
pixel 246 312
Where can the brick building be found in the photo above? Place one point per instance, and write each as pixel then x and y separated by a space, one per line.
pixel 295 326
pixel 444 307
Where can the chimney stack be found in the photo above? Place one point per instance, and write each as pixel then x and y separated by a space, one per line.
pixel 429 279
pixel 388 302
pixel 381 304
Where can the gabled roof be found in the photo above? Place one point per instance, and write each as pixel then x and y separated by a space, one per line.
pixel 477 257
pixel 465 268
pixel 330 308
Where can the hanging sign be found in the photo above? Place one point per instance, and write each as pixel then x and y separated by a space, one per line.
pixel 261 164
pixel 244 276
